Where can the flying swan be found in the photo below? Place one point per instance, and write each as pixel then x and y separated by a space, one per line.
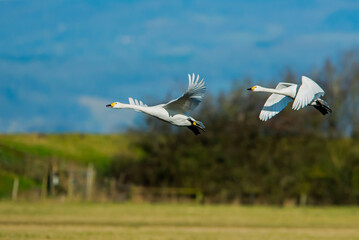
pixel 176 111
pixel 308 93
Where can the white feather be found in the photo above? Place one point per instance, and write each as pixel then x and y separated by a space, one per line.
pixel 131 101
pixel 308 92
pixel 191 98
pixel 274 104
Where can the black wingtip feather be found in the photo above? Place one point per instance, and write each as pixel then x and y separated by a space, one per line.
pixel 322 107
pixel 322 110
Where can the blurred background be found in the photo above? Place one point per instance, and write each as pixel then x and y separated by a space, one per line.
pixel 62 61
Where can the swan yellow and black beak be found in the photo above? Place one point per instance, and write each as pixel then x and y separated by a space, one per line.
pixel 110 105
pixel 196 126
pixel 251 89
pixel 199 125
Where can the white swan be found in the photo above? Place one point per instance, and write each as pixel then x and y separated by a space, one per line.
pixel 308 93
pixel 176 111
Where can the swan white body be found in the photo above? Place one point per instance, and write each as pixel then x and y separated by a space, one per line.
pixel 176 111
pixel 308 93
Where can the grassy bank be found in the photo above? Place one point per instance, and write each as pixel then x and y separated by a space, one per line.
pixel 83 148
pixel 54 220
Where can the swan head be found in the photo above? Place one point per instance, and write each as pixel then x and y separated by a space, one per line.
pixel 115 105
pixel 254 88
pixel 196 124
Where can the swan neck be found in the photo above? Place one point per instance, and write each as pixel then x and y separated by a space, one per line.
pixel 124 105
pixel 130 106
pixel 268 90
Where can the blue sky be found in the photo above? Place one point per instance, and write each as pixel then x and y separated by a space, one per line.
pixel 62 61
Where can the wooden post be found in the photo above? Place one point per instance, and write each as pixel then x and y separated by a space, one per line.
pixel 90 175
pixel 113 189
pixel 70 184
pixel 44 187
pixel 50 176
pixel 15 188
pixel 303 199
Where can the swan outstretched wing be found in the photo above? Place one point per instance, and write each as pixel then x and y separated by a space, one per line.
pixel 275 103
pixel 191 98
pixel 136 102
pixel 307 92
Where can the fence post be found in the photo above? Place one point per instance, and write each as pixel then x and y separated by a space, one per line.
pixel 15 188
pixel 90 175
pixel 303 199
pixel 44 187
pixel 50 178
pixel 113 189
pixel 70 184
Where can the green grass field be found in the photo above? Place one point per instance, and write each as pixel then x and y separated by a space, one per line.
pixel 83 148
pixel 19 152
pixel 55 220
